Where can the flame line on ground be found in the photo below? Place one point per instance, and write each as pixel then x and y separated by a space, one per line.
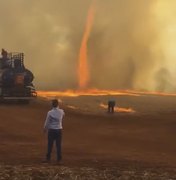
pixel 97 92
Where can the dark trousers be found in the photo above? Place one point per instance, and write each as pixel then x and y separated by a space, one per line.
pixel 111 105
pixel 110 109
pixel 54 135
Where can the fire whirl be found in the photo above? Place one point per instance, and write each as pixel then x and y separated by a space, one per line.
pixel 83 70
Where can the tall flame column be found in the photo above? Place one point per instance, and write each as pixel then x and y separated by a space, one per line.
pixel 83 70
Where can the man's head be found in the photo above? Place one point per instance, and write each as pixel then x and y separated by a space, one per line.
pixel 55 103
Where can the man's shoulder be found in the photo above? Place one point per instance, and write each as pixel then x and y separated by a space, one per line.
pixel 61 111
pixel 55 110
pixel 50 111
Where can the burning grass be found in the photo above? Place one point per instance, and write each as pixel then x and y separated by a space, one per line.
pixel 118 109
pixel 95 101
pixel 97 92
pixel 89 92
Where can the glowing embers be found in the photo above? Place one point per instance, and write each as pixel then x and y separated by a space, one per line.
pixel 118 109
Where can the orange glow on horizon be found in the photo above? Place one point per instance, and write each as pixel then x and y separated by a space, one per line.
pixel 83 70
pixel 97 92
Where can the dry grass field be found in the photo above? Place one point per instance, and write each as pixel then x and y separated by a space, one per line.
pixel 96 145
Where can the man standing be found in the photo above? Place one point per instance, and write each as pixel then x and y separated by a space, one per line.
pixel 111 105
pixel 53 125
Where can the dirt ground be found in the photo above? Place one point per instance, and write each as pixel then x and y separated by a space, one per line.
pixel 145 138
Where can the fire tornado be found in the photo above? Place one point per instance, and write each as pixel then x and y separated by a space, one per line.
pixel 83 70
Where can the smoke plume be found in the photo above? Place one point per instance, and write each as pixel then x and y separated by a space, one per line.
pixel 131 45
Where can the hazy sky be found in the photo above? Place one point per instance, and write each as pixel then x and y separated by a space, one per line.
pixel 131 46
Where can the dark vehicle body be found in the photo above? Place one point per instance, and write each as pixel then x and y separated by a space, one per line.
pixel 15 79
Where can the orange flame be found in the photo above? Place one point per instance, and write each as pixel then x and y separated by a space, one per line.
pixel 118 109
pixel 89 92
pixel 83 71
pixel 98 92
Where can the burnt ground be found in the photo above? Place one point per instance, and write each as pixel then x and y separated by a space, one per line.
pixel 131 146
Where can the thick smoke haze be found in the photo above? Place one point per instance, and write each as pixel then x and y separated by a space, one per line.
pixel 131 45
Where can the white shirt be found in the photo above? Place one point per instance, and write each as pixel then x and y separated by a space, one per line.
pixel 54 119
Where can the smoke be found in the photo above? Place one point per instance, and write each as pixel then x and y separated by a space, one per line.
pixel 130 43
pixel 128 40
pixel 164 80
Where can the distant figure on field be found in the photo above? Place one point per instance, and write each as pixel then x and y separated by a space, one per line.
pixel 4 54
pixel 4 59
pixel 111 105
pixel 53 125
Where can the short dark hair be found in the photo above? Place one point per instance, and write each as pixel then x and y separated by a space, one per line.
pixel 55 102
